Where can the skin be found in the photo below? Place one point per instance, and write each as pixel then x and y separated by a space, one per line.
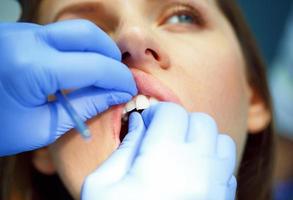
pixel 205 52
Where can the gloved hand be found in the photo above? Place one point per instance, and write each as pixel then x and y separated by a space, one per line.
pixel 167 154
pixel 36 61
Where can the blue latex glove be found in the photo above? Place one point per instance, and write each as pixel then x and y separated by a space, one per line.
pixel 167 154
pixel 36 61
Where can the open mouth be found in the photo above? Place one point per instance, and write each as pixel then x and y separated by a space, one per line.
pixel 138 104
pixel 151 91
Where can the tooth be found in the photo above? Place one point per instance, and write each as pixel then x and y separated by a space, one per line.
pixel 153 101
pixel 142 102
pixel 130 106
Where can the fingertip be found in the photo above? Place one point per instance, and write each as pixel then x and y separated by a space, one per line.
pixel 116 98
pixel 147 115
pixel 135 120
pixel 202 133
pixel 134 90
pixel 163 109
pixel 205 120
pixel 226 150
pixel 203 127
pixel 131 142
pixel 232 186
pixel 116 53
pixel 232 182
pixel 131 89
pixel 131 84
pixel 120 79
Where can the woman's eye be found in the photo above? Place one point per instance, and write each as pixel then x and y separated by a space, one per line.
pixel 181 18
pixel 182 15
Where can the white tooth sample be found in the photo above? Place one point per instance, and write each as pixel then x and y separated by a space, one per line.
pixel 153 101
pixel 130 106
pixel 142 102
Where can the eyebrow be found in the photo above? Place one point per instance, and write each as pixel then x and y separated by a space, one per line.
pixel 79 8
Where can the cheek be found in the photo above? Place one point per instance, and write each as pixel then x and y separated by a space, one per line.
pixel 75 158
pixel 212 80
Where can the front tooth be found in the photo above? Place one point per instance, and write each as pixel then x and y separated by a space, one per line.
pixel 142 102
pixel 130 106
pixel 153 101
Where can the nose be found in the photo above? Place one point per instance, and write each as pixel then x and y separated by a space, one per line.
pixel 140 49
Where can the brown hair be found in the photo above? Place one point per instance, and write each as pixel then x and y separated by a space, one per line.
pixel 256 168
pixel 255 176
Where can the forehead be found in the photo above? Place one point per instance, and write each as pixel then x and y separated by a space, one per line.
pixel 49 9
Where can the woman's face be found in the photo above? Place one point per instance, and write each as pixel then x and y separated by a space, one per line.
pixel 188 45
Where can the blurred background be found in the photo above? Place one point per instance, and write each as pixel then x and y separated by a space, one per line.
pixel 272 24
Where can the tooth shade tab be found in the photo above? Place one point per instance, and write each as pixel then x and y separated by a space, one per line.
pixel 139 103
pixel 131 105
pixel 142 102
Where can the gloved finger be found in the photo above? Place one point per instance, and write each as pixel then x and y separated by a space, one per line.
pixel 119 163
pixel 80 35
pixel 231 190
pixel 202 133
pixel 166 123
pixel 88 102
pixel 77 70
pixel 224 191
pixel 225 160
pixel 226 151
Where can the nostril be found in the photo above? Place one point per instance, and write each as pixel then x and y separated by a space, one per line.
pixel 154 54
pixel 125 55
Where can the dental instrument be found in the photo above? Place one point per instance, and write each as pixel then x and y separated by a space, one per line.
pixel 79 124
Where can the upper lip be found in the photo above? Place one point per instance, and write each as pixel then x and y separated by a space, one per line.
pixel 148 85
